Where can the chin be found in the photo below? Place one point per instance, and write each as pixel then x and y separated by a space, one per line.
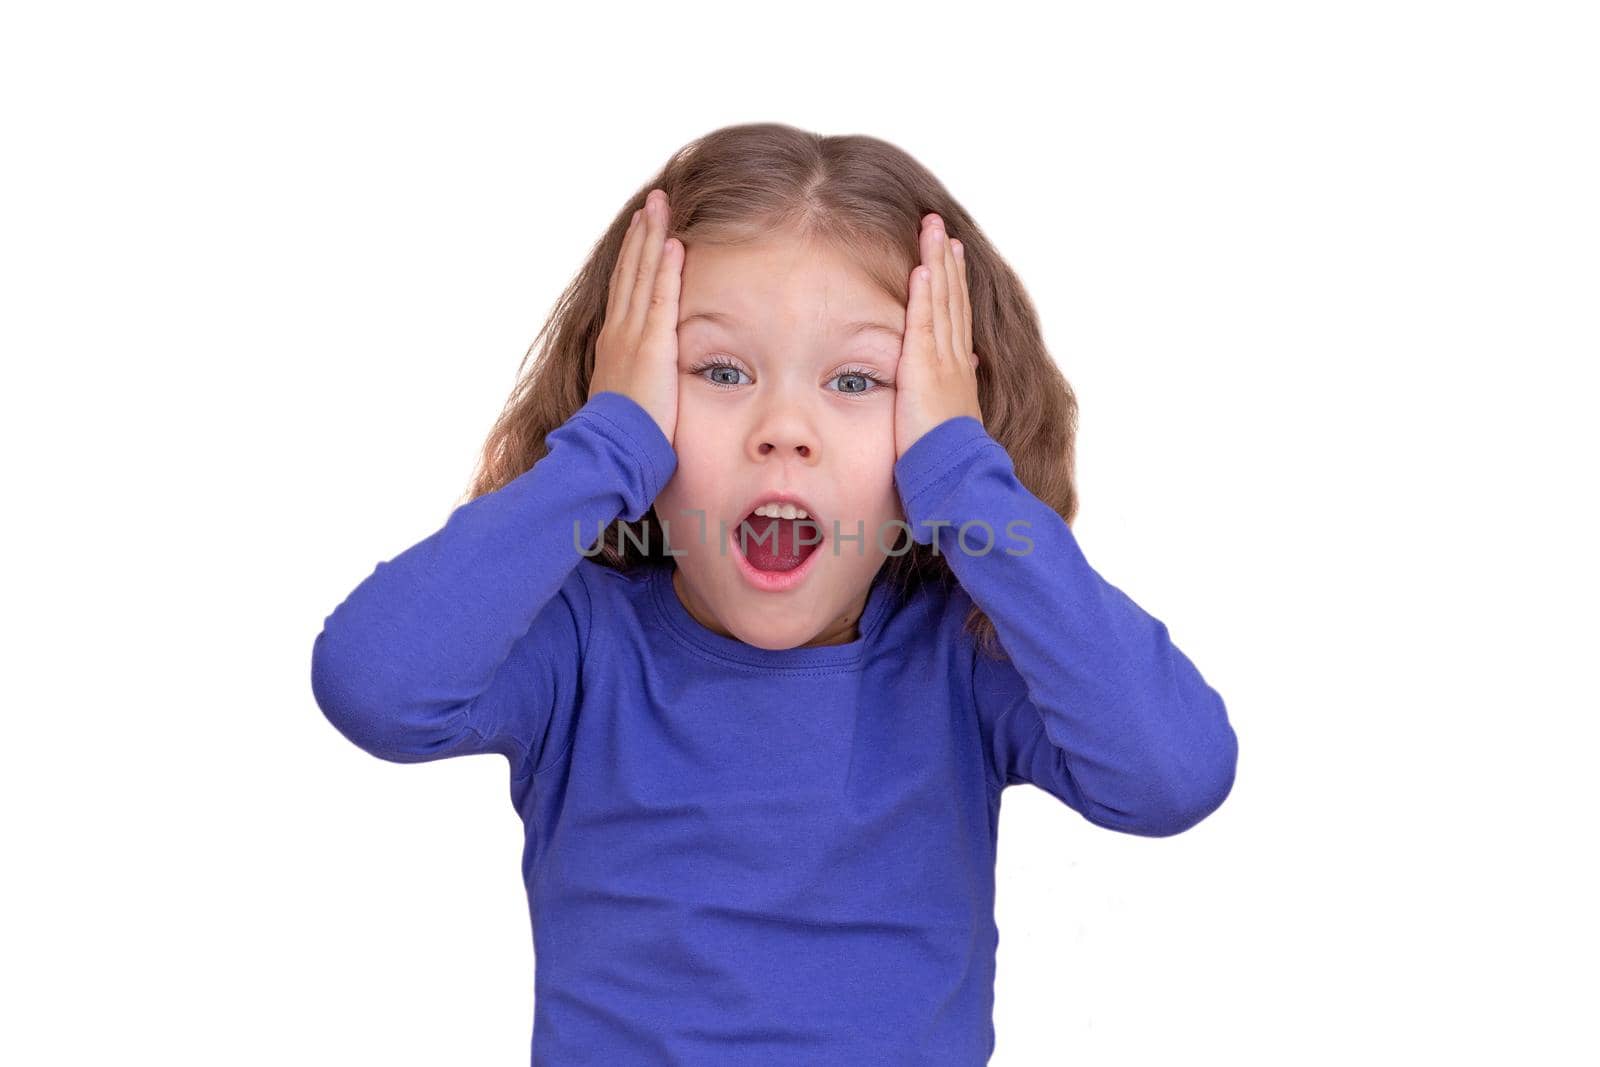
pixel 773 639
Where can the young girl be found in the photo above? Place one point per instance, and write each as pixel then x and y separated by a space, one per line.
pixel 766 590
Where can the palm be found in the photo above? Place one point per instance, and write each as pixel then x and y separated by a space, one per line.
pixel 636 353
pixel 936 378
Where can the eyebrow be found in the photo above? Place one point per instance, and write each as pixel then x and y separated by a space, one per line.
pixel 850 329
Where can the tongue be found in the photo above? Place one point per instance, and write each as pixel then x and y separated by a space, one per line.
pixel 775 544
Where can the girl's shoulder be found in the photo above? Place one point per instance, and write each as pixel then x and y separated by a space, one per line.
pixel 609 589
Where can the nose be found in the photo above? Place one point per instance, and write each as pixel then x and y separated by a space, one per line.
pixel 784 433
pixel 785 445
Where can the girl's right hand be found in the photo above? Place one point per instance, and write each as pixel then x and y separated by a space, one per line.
pixel 637 351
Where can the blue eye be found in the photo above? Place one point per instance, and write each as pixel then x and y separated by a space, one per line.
pixel 860 374
pixel 864 381
pixel 719 363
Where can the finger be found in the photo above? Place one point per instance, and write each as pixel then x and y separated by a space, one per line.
pixel 662 318
pixel 655 225
pixel 622 273
pixel 919 323
pixel 933 257
pixel 964 291
pixel 952 273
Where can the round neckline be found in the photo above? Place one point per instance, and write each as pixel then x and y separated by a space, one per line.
pixel 686 627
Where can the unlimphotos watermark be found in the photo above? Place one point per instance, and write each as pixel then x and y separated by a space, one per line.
pixel 809 533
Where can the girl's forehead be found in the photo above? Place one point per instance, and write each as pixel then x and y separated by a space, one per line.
pixel 731 285
pixel 867 325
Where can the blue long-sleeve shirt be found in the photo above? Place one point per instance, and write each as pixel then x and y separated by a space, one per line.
pixel 738 855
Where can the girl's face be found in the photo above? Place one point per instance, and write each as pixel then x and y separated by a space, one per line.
pixel 778 343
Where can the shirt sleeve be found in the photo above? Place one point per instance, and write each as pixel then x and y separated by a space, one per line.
pixel 470 640
pixel 1095 704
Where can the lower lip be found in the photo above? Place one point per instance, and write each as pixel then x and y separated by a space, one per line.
pixel 772 581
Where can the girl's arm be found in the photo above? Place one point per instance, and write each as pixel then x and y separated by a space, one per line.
pixel 1096 705
pixel 470 641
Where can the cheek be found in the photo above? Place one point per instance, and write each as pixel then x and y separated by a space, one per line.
pixel 703 439
pixel 699 419
pixel 867 452
pixel 701 468
pixel 867 486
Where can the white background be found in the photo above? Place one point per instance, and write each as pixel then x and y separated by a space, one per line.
pixel 1323 275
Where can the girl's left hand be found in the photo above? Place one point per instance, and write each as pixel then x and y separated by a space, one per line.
pixel 937 376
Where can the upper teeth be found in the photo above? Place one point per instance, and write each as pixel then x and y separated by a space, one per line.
pixel 782 511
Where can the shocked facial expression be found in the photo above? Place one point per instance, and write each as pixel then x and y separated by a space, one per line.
pixel 786 355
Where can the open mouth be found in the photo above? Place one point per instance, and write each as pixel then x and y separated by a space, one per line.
pixel 774 545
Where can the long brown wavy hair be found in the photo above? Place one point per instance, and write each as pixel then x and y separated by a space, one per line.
pixel 864 197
